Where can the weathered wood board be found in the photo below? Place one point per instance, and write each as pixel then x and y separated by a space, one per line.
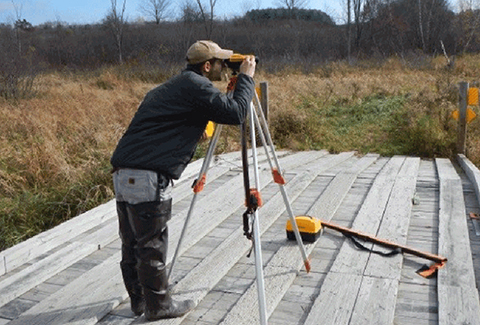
pixel 74 278
pixel 458 299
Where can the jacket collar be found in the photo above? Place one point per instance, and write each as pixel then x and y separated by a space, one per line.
pixel 193 68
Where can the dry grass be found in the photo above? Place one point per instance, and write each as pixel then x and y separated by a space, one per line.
pixel 61 133
pixel 55 148
pixel 429 93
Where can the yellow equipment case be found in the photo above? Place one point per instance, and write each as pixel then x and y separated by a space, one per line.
pixel 309 228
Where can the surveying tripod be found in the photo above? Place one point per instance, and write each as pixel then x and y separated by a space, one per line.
pixel 251 224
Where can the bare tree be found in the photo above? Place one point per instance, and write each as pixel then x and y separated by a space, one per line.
pixel 349 30
pixel 358 6
pixel 464 5
pixel 355 22
pixel 208 15
pixel 420 24
pixel 156 9
pixel 18 18
pixel 116 19
pixel 470 19
pixel 293 4
pixel 190 13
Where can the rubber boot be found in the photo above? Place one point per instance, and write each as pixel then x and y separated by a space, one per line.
pixel 129 261
pixel 151 232
pixel 172 309
pixel 134 289
pixel 160 305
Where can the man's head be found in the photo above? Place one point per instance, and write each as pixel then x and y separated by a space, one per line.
pixel 208 56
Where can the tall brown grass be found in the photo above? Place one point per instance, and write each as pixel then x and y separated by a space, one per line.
pixel 55 147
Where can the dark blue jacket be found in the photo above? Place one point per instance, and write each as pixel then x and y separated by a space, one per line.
pixel 170 121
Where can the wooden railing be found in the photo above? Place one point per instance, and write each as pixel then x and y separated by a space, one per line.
pixel 468 96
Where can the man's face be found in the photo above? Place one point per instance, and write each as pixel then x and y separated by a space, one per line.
pixel 215 73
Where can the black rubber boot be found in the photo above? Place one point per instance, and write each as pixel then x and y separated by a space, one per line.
pixel 151 233
pixel 159 304
pixel 137 304
pixel 129 262
pixel 172 309
pixel 134 289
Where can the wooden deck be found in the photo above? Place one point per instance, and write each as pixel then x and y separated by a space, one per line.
pixel 71 274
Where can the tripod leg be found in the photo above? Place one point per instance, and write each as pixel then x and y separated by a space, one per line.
pixel 200 182
pixel 198 187
pixel 256 230
pixel 278 178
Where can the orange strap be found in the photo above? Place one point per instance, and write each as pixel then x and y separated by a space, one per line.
pixel 277 177
pixel 200 184
pixel 427 272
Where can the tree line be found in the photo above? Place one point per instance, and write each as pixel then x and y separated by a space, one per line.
pixel 373 29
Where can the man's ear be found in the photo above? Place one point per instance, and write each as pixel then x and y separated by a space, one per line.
pixel 207 66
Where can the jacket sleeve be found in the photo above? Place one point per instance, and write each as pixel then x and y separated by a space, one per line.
pixel 224 109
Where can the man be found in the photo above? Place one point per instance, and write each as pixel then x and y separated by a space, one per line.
pixel 155 149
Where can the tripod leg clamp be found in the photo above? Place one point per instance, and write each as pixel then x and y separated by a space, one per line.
pixel 255 199
pixel 199 184
pixel 277 177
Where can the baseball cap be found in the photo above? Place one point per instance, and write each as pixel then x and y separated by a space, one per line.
pixel 202 51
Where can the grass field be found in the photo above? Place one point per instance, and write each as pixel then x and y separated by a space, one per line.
pixel 56 145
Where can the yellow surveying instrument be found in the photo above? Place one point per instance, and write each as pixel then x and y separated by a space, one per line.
pixel 236 60
pixel 251 224
pixel 309 228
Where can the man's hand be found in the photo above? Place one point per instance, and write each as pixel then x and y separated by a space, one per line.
pixel 248 66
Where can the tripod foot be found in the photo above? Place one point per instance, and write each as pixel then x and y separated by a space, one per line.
pixel 307 265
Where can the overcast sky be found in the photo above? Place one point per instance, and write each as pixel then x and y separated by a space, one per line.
pixel 92 11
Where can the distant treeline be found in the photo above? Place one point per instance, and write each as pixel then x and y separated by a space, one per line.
pixel 378 29
pixel 261 15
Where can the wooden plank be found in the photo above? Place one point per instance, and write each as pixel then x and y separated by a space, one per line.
pixel 224 160
pixel 104 235
pixel 472 172
pixel 374 301
pixel 214 208
pixel 96 304
pixel 13 286
pixel 21 282
pixel 202 278
pixel 38 245
pixel 338 310
pixel 85 300
pixel 349 259
pixel 328 203
pixel 347 271
pixel 382 275
pixel 395 222
pixel 458 299
pixel 282 268
pixel 43 242
pixel 219 167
